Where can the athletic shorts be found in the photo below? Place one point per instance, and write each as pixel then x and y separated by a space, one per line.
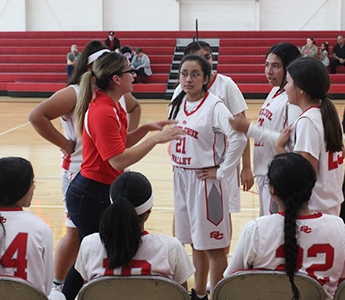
pixel 67 177
pixel 201 210
pixel 267 205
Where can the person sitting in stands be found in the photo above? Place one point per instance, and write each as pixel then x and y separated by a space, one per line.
pixel 141 64
pixel 112 42
pixel 310 49
pixel 338 56
pixel 72 58
pixel 128 52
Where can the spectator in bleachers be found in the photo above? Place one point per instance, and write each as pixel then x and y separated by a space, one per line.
pixel 324 52
pixel 296 238
pixel 338 55
pixel 128 52
pixel 112 42
pixel 141 64
pixel 310 49
pixel 123 243
pixel 72 58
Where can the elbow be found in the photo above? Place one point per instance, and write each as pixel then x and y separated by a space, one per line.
pixel 33 117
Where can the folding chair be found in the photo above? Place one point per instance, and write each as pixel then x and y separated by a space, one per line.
pixel 272 285
pixel 132 287
pixel 340 292
pixel 18 289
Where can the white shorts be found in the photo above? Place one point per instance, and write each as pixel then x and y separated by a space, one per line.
pixel 234 191
pixel 67 177
pixel 201 210
pixel 267 205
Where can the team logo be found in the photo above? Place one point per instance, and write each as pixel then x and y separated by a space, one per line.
pixel 216 235
pixel 3 220
pixel 306 229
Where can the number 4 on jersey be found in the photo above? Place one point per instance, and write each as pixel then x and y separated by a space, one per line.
pixel 15 255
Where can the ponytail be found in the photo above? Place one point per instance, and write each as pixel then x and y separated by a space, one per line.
pixel 83 101
pixel 292 178
pixel 175 105
pixel 120 232
pixel 331 124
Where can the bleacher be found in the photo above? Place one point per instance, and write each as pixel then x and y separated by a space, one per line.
pixel 34 63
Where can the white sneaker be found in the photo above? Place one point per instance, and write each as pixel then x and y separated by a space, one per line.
pixel 208 286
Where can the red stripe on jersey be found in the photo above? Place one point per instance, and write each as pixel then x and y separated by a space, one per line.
pixel 11 208
pixel 313 216
pixel 214 79
pixel 201 103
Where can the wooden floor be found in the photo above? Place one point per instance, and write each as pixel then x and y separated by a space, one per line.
pixel 18 138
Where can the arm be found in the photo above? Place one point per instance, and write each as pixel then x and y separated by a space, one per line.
pixel 246 249
pixel 314 51
pixel 132 155
pixel 323 55
pixel 60 104
pixel 314 162
pixel 236 143
pixel 47 254
pixel 247 178
pixel 133 111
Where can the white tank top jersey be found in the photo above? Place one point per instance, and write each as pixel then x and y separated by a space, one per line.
pixel 209 140
pixel 321 240
pixel 158 255
pixel 73 161
pixel 275 114
pixel 307 135
pixel 224 88
pixel 29 248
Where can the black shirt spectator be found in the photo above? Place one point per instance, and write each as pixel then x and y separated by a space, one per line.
pixel 112 42
pixel 338 56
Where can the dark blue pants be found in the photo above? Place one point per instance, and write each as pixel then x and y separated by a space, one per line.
pixel 86 201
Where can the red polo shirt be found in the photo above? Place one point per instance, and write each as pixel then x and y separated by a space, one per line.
pixel 104 136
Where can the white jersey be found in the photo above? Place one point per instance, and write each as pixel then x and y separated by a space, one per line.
pixel 29 248
pixel 275 114
pixel 321 240
pixel 158 255
pixel 73 161
pixel 210 140
pixel 224 88
pixel 307 135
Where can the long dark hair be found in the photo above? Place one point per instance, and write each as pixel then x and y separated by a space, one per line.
pixel 16 178
pixel 287 52
pixel 206 69
pixel 311 76
pixel 292 177
pixel 82 63
pixel 121 227
pixel 196 46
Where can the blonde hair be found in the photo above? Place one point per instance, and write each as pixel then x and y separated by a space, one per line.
pixel 104 68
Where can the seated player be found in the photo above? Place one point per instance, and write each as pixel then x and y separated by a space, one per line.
pixel 123 247
pixel 294 239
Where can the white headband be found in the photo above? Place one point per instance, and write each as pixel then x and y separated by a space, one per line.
pixel 143 207
pixel 95 55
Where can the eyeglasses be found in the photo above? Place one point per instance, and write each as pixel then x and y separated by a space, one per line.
pixel 132 71
pixel 193 75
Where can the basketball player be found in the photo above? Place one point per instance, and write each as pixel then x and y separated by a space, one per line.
pixel 317 134
pixel 275 114
pixel 204 160
pixel 294 239
pixel 26 241
pixel 123 247
pixel 62 104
